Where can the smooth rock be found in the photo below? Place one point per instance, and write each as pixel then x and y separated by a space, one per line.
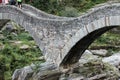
pixel 114 59
pixel 44 71
pixel 101 52
pixel 87 56
pixel 24 47
pixel 23 74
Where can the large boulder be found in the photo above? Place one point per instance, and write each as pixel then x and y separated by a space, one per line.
pixel 87 56
pixel 44 71
pixel 90 67
pixel 114 59
pixel 101 52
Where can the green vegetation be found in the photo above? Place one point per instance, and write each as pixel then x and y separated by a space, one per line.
pixel 12 53
pixel 58 7
pixel 109 41
pixel 17 49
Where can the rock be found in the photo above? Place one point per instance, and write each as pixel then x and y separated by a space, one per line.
pixel 15 34
pixel 1 36
pixel 97 77
pixel 17 42
pixel 44 71
pixel 14 42
pixel 92 68
pixel 16 74
pixel 23 74
pixel 114 59
pixel 47 75
pixel 118 68
pixel 47 66
pixel 1 46
pixel 47 71
pixel 75 76
pixel 87 56
pixel 41 58
pixel 24 47
pixel 87 52
pixel 101 52
pixel 78 78
pixel 72 76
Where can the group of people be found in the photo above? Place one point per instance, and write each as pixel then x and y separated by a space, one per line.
pixel 12 2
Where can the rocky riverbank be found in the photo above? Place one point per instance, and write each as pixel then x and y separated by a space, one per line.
pixel 90 67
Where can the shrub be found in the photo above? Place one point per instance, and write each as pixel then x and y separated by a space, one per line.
pixel 69 12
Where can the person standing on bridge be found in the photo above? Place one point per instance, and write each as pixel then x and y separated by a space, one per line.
pixel 0 1
pixel 19 3
pixel 12 2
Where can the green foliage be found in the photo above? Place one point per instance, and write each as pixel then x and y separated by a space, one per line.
pixel 24 36
pixel 108 39
pixel 58 7
pixel 50 6
pixel 69 12
pixel 12 57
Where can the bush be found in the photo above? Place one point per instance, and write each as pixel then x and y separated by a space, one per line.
pixel 69 12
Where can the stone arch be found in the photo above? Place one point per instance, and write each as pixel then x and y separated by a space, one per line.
pixel 78 49
pixel 82 39
pixel 57 37
pixel 99 21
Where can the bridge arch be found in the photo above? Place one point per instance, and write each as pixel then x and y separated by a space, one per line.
pixel 79 48
pixel 63 40
pixel 86 35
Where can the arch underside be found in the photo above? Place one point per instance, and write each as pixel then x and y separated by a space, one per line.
pixel 78 49
pixel 3 22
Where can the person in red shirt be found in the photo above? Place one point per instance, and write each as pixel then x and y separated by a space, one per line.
pixel 0 1
pixel 4 1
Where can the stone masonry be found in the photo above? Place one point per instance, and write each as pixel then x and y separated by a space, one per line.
pixel 63 40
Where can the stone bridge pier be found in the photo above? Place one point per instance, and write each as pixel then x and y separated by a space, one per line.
pixel 64 40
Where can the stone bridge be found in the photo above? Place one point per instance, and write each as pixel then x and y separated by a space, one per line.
pixel 63 40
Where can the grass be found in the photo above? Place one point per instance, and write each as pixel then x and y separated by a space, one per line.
pixel 108 39
pixel 12 57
